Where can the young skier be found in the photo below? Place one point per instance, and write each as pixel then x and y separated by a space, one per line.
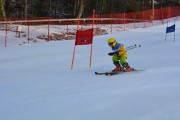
pixel 119 56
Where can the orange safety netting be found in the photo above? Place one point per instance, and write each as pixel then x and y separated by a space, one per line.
pixel 153 14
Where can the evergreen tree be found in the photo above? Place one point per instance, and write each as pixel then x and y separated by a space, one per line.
pixel 75 8
pixel 2 10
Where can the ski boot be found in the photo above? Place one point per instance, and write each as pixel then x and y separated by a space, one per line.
pixel 126 67
pixel 118 67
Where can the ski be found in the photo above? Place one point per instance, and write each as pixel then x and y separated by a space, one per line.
pixel 107 73
pixel 116 72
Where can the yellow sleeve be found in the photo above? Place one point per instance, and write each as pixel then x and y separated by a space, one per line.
pixel 122 50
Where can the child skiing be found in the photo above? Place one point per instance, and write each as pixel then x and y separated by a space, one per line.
pixel 119 56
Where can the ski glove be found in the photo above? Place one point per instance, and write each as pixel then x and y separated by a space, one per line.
pixel 112 53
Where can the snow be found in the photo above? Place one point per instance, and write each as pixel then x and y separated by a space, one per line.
pixel 37 83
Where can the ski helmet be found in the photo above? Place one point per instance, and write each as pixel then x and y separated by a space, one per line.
pixel 112 42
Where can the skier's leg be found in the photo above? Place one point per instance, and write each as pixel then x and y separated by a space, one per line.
pixel 116 60
pixel 125 64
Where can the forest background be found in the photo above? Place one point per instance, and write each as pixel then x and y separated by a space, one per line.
pixel 75 8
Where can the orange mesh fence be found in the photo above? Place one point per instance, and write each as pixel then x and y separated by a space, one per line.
pixel 141 16
pixel 124 21
pixel 156 14
pixel 161 13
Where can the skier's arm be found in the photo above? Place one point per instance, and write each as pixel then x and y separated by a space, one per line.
pixel 121 50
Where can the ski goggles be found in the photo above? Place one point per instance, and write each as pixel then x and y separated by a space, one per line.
pixel 110 44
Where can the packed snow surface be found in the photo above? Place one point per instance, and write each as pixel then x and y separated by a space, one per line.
pixel 37 83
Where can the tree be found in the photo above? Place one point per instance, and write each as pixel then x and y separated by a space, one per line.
pixel 40 8
pixel 2 10
pixel 79 6
pixel 8 7
pixel 25 9
pixel 75 8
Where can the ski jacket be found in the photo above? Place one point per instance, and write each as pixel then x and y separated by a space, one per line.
pixel 120 49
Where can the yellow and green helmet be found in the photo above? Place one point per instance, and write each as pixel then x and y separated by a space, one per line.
pixel 112 42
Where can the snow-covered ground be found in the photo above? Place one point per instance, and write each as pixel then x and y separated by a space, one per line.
pixel 36 82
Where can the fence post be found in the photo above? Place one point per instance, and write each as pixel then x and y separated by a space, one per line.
pixel 162 15
pixel 134 20
pixel 48 30
pixel 111 22
pixel 28 31
pixel 6 29
pixel 67 29
pixel 124 20
pixel 169 14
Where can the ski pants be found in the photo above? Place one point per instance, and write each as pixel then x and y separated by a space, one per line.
pixel 122 59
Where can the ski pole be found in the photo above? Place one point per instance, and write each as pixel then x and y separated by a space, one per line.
pixel 127 48
pixel 132 47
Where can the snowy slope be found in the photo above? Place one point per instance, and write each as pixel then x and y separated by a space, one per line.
pixel 36 82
